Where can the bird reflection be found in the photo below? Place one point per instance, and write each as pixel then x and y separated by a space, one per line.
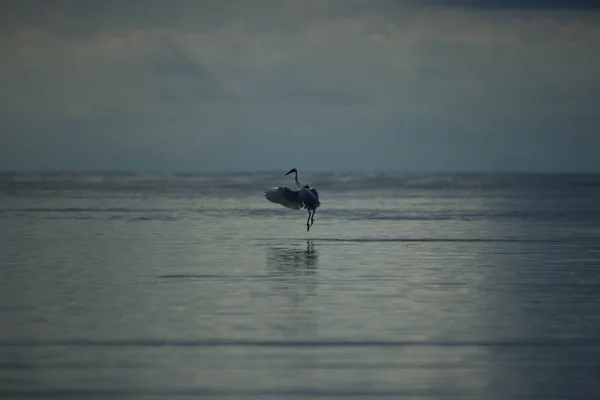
pixel 293 260
pixel 294 285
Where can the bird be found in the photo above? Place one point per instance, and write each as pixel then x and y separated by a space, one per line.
pixel 304 196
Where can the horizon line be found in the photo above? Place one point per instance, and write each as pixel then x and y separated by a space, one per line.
pixel 311 171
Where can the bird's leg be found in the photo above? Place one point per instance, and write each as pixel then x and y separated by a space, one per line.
pixel 307 222
pixel 312 220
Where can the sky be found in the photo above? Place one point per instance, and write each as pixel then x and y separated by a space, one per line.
pixel 329 85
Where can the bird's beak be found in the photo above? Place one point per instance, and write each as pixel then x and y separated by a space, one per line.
pixel 290 172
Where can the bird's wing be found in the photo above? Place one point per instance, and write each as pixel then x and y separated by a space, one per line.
pixel 285 196
pixel 316 194
pixel 310 197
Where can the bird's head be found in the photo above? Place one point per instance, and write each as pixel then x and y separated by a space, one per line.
pixel 292 171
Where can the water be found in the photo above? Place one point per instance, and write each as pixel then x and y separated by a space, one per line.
pixel 173 286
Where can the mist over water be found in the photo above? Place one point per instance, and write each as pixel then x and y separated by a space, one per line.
pixel 123 285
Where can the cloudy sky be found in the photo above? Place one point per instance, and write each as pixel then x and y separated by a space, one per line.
pixel 340 85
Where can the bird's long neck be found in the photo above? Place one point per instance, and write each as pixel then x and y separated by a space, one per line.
pixel 296 179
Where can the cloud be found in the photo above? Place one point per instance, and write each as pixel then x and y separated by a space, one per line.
pixel 329 85
pixel 518 4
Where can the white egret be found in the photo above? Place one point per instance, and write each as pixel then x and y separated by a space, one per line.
pixel 304 196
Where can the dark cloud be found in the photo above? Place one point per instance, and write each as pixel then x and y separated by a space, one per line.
pixel 179 78
pixel 171 59
pixel 87 17
pixel 519 4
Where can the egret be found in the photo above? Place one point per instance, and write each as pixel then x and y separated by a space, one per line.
pixel 304 196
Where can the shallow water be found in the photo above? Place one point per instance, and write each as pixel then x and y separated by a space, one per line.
pixel 184 286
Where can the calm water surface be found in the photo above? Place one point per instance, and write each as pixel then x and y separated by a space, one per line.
pixel 194 286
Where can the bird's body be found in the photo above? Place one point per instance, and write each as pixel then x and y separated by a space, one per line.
pixel 304 196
